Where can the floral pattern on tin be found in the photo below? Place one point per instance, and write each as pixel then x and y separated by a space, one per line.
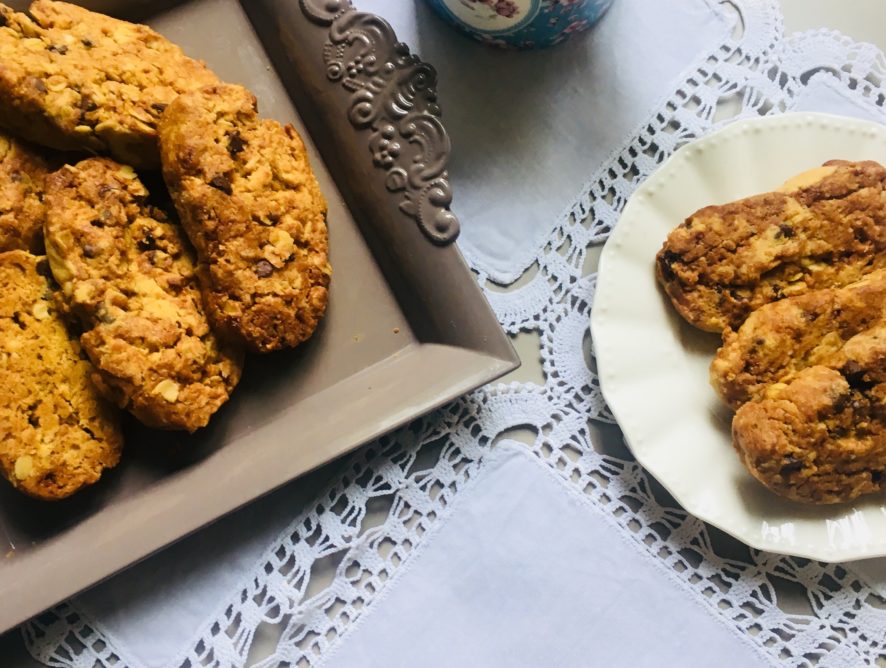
pixel 505 8
pixel 521 24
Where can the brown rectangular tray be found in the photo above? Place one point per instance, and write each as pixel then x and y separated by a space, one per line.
pixel 407 327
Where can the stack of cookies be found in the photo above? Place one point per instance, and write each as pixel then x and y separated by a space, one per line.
pixel 795 281
pixel 109 302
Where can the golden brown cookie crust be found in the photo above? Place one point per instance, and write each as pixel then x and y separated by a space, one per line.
pixel 822 327
pixel 77 80
pixel 253 209
pixel 22 171
pixel 127 274
pixel 819 438
pixel 57 434
pixel 725 261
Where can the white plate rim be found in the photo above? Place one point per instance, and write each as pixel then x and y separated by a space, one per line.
pixel 607 365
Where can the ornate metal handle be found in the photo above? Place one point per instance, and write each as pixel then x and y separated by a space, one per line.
pixel 394 95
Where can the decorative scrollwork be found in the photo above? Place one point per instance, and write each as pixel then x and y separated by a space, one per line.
pixel 323 11
pixel 393 95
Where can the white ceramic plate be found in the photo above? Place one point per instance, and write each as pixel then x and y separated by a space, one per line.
pixel 654 367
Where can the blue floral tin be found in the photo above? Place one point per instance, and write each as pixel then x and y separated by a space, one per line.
pixel 521 24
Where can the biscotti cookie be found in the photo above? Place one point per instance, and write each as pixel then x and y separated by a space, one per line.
pixel 77 80
pixel 819 438
pixel 818 328
pixel 57 434
pixel 22 171
pixel 826 228
pixel 127 274
pixel 250 204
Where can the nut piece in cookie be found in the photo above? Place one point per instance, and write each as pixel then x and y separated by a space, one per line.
pixel 77 80
pixel 251 205
pixel 821 437
pixel 57 434
pixel 823 327
pixel 22 171
pixel 127 274
pixel 825 228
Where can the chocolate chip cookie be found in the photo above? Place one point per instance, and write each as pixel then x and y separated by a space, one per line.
pixel 253 209
pixel 826 228
pixel 821 437
pixel 127 275
pixel 22 170
pixel 824 327
pixel 77 80
pixel 57 434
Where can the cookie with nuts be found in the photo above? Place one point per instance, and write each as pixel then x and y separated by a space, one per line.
pixel 22 170
pixel 825 327
pixel 57 434
pixel 127 275
pixel 78 80
pixel 820 437
pixel 251 205
pixel 824 228
pixel 807 375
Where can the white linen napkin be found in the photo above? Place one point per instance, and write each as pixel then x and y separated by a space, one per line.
pixel 561 111
pixel 527 573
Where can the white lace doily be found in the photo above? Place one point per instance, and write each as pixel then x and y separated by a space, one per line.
pixel 418 471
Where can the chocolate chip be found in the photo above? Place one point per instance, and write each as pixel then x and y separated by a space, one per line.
pixel 38 84
pixel 87 104
pixel 236 143
pixel 103 190
pixel 159 107
pixel 87 43
pixel 96 223
pixel 786 230
pixel 60 49
pixel 147 242
pixel 666 261
pixel 43 268
pixel 861 234
pixel 221 182
pixel 791 465
pixel 90 251
pixel 263 269
pixel 17 319
pixel 3 20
